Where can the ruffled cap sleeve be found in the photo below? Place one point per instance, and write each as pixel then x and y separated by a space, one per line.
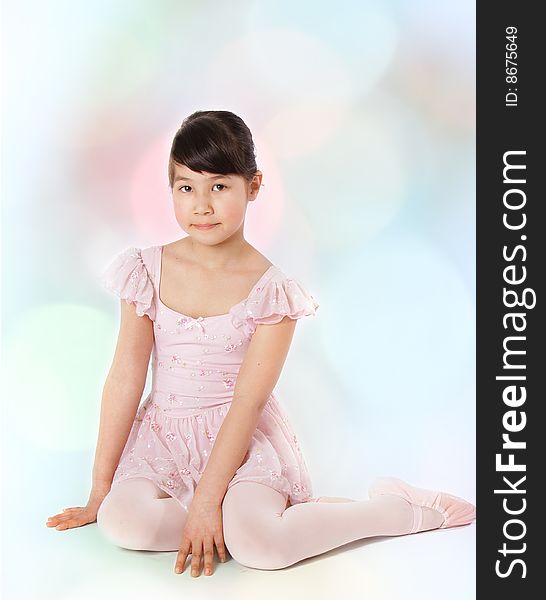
pixel 279 297
pixel 128 278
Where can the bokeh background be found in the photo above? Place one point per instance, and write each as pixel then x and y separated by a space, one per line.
pixel 363 117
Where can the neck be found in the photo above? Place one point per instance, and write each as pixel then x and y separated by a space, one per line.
pixel 223 255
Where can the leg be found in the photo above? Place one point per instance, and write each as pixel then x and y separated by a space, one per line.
pixel 331 499
pixel 138 515
pixel 454 510
pixel 260 533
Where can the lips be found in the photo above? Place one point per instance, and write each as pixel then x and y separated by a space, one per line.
pixel 205 226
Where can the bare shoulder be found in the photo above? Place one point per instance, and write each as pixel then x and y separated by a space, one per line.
pixel 177 250
pixel 258 263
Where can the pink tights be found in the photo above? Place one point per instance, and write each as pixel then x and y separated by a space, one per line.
pixel 259 531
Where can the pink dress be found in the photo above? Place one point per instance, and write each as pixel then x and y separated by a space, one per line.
pixel 195 363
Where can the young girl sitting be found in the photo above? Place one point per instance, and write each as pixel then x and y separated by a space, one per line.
pixel 209 460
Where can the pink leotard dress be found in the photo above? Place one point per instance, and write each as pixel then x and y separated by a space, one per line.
pixel 195 362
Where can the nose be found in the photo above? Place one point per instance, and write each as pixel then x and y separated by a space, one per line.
pixel 202 206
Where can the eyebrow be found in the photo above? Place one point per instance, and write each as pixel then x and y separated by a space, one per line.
pixel 179 177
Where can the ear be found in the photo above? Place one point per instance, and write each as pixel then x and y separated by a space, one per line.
pixel 254 186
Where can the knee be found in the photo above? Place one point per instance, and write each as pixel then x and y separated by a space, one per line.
pixel 253 545
pixel 122 523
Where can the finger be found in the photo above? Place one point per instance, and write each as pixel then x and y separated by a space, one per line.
pixel 70 522
pixel 220 547
pixel 208 555
pixel 196 552
pixel 58 516
pixel 181 557
pixel 52 521
pixel 63 518
pixel 66 511
pixel 67 524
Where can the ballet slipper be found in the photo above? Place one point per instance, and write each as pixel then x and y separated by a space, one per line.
pixel 455 510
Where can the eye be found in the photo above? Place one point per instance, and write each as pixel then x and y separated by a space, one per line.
pixel 187 186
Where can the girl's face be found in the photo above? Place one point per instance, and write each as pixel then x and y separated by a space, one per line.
pixel 208 198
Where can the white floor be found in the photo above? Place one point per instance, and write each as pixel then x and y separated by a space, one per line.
pixel 79 564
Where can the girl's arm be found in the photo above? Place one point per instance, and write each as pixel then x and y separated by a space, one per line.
pixel 257 377
pixel 122 392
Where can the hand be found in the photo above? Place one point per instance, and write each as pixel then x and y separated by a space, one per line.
pixel 76 516
pixel 202 530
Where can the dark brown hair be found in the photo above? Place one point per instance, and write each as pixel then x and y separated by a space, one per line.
pixel 215 141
